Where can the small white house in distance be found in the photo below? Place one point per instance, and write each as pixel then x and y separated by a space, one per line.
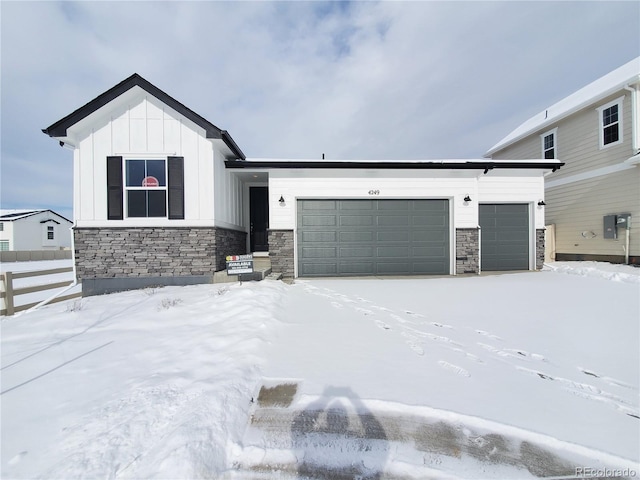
pixel 161 195
pixel 593 203
pixel 34 230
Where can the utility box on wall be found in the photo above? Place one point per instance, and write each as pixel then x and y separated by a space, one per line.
pixel 611 224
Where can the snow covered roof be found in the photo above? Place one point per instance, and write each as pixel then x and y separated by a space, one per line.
pixel 17 214
pixel 627 74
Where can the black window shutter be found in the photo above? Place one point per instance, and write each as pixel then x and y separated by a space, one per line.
pixel 175 167
pixel 114 188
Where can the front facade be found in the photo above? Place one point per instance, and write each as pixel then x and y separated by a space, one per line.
pixel 161 194
pixel 596 132
pixel 22 230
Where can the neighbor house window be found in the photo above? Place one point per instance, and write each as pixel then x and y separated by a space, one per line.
pixel 1 226
pixel 4 245
pixel 145 188
pixel 610 123
pixel 549 144
pixel 49 233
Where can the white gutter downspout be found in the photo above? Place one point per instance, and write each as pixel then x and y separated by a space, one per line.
pixel 635 128
pixel 73 284
pixel 635 145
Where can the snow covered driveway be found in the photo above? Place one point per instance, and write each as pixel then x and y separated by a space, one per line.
pixel 160 383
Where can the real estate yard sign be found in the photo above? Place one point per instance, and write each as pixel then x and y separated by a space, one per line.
pixel 238 264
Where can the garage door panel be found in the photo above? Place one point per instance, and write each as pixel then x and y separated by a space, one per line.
pixel 440 236
pixel 356 268
pixel 395 206
pixel 358 236
pixel 426 251
pixel 359 205
pixel 318 205
pixel 393 236
pixel 319 221
pixel 318 236
pixel 318 252
pixel 392 221
pixel 356 220
pixel 319 269
pixel 395 252
pixel 369 237
pixel 356 252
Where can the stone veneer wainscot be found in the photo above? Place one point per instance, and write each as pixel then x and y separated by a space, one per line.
pixel 281 252
pixel 467 250
pixel 154 251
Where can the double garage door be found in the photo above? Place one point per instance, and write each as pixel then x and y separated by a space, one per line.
pixel 373 237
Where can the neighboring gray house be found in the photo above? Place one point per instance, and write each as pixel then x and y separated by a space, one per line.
pixel 34 230
pixel 596 133
pixel 162 195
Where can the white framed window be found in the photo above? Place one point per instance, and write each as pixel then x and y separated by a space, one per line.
pixel 550 144
pixel 4 245
pixel 146 187
pixel 50 233
pixel 1 226
pixel 610 123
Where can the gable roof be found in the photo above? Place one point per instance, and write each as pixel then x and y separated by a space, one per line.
pixel 59 128
pixel 612 82
pixel 17 214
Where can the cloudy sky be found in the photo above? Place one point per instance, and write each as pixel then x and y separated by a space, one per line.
pixel 367 80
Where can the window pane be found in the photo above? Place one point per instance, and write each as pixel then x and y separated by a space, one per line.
pixel 610 115
pixel 549 153
pixel 157 203
pixel 611 134
pixel 155 168
pixel 137 203
pixel 135 172
pixel 548 141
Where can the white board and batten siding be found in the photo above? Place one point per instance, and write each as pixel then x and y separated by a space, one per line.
pixel 137 125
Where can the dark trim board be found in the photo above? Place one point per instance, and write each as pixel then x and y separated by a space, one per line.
pixel 588 257
pixel 394 164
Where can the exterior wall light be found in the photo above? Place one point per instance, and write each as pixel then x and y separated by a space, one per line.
pixel 281 201
pixel 467 199
pixel 541 203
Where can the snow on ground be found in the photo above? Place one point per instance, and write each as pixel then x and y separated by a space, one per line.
pixel 158 383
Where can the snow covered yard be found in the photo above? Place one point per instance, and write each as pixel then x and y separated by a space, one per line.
pixel 159 383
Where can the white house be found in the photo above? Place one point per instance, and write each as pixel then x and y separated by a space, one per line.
pixel 34 230
pixel 593 203
pixel 163 195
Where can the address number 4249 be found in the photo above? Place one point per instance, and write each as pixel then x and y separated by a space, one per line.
pixel 374 192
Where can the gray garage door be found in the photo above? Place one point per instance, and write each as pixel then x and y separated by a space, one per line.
pixel 372 237
pixel 504 237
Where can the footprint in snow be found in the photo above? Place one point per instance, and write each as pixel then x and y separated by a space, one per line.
pixel 364 311
pixel 415 347
pixel 17 458
pixel 409 312
pixel 454 368
pixel 441 325
pixel 337 305
pixel 487 334
pixel 382 325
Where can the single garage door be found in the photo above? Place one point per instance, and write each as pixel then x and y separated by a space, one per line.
pixel 372 237
pixel 504 243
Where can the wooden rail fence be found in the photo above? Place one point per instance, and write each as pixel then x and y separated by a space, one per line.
pixel 9 293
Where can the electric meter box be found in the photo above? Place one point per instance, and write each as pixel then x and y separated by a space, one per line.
pixel 612 223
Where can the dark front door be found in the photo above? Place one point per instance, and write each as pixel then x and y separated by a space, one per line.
pixel 259 217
